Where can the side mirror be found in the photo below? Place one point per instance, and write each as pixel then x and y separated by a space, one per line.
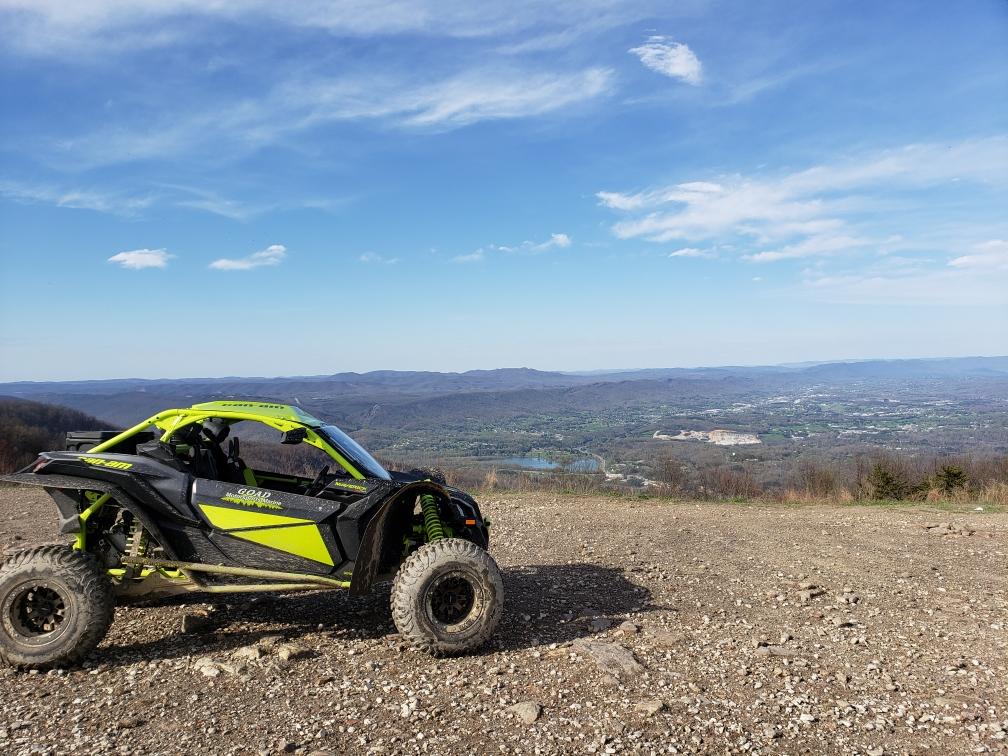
pixel 294 436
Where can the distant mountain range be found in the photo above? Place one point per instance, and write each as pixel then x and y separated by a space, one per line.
pixel 389 398
pixel 918 368
pixel 515 378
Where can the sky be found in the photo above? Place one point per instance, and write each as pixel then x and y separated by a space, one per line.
pixel 209 188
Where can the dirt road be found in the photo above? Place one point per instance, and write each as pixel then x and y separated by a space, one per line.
pixel 631 627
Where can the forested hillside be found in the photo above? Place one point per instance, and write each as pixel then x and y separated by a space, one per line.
pixel 27 428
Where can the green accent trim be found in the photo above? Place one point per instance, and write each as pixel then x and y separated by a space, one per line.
pixel 431 518
pixel 115 464
pixel 292 535
pixel 349 486
pixel 259 410
pixel 81 542
pixel 226 518
pixel 118 573
pixel 250 502
pixel 300 540
pixel 249 476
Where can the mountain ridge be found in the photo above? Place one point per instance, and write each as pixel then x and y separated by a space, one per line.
pixel 525 376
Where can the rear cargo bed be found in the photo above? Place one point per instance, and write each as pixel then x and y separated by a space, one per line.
pixel 82 441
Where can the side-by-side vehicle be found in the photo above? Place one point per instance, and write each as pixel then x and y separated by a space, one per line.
pixel 169 505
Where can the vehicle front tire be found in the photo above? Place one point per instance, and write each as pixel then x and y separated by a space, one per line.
pixel 56 605
pixel 448 597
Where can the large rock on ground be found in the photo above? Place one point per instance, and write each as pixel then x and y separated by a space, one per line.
pixel 610 657
pixel 527 711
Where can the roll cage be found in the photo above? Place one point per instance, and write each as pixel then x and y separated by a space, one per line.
pixel 282 417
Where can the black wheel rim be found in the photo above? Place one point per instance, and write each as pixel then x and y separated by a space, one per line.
pixel 451 598
pixel 38 611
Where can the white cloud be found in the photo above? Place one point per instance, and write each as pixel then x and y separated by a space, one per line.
pixel 199 198
pixel 129 200
pixel 813 246
pixel 298 104
pixel 556 241
pixel 483 96
pixel 691 252
pixel 372 257
pixel 272 255
pixel 472 257
pixel 51 27
pixel 687 193
pixel 989 255
pixel 138 259
pixel 670 58
pixel 298 97
pixel 80 199
pixel 806 213
pixel 617 201
pixel 737 205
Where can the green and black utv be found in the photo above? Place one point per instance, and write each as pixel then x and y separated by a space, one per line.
pixel 166 507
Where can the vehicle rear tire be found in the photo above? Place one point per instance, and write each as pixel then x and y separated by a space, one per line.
pixel 56 605
pixel 448 597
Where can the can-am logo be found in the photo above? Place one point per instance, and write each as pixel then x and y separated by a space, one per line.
pixel 113 463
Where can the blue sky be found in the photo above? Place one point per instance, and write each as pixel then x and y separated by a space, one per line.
pixel 257 188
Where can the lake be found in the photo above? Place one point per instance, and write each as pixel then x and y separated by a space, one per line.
pixel 586 465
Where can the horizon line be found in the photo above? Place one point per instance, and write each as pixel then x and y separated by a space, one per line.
pixel 587 372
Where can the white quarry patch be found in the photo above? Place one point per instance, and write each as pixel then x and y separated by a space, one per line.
pixel 720 437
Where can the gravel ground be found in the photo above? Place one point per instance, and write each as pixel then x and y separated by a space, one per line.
pixel 631 627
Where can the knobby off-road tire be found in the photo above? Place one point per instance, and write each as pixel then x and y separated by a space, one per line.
pixel 448 597
pixel 56 604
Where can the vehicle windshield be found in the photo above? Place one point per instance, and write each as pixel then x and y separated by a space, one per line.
pixel 356 454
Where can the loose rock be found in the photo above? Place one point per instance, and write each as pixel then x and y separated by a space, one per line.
pixel 527 711
pixel 610 657
pixel 195 622
pixel 292 651
pixel 651 706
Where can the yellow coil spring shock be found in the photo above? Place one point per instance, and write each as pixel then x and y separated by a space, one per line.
pixel 431 518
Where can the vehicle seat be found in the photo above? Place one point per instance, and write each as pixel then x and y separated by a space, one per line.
pixel 163 453
pixel 186 446
pixel 238 471
pixel 215 430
